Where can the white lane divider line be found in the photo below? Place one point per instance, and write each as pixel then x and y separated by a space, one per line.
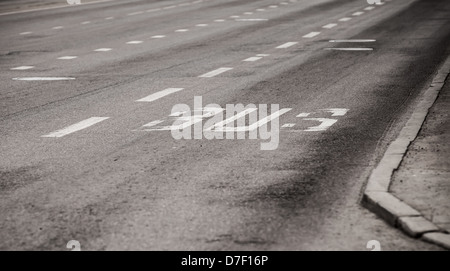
pixel 158 37
pixel 235 16
pixel 369 8
pixel 22 68
pixel 329 26
pixel 359 13
pixel 86 22
pixel 346 19
pixel 261 9
pixel 181 30
pixel 109 18
pixel 58 27
pixel 160 94
pixel 251 20
pixel 201 25
pixel 354 40
pixel 135 13
pixel 273 6
pixel 76 127
pixel 169 7
pixel 135 42
pixel 215 72
pixel 248 13
pixel 252 59
pixel 311 35
pixel 324 125
pixel 219 20
pixel 43 78
pixel 103 50
pixel 349 49
pixel 67 57
pixel 25 33
pixel 153 10
pixel 287 45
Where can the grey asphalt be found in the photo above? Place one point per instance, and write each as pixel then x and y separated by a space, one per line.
pixel 115 186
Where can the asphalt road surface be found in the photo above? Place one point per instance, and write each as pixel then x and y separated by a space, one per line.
pixel 86 99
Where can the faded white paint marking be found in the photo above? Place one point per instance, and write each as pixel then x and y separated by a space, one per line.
pixel 109 18
pixel 359 13
pixel 235 16
pixel 261 9
pixel 202 25
pixel 215 72
pixel 153 123
pixel 248 13
pixel 324 125
pixel 159 95
pixel 369 8
pixel 311 35
pixel 135 42
pixel 336 112
pixel 25 33
pixel 135 13
pixel 67 57
pixel 153 10
pixel 251 20
pixel 303 115
pixel 252 59
pixel 263 55
pixel 58 27
pixel 349 49
pixel 337 41
pixel 181 30
pixel 86 22
pixel 103 50
pixel 158 37
pixel 346 19
pixel 288 125
pixel 220 125
pixel 169 7
pixel 273 6
pixel 43 78
pixel 22 68
pixel 219 20
pixel 257 124
pixel 329 26
pixel 76 127
pixel 287 45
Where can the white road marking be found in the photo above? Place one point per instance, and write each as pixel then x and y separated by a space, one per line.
pixel 336 112
pixel 103 50
pixel 57 27
pixel 263 55
pixel 362 40
pixel 287 45
pixel 109 18
pixel 221 124
pixel 284 3
pixel 346 19
pixel 251 20
pixel 184 4
pixel 76 127
pixel 325 124
pixel 26 33
pixel 303 115
pixel 153 123
pixel 153 10
pixel 369 8
pixel 169 7
pixel 219 20
pixel 43 78
pixel 22 68
pixel 67 57
pixel 202 25
pixel 359 13
pixel 159 95
pixel 135 13
pixel 379 4
pixel 273 6
pixel 288 125
pixel 62 6
pixel 311 35
pixel 235 16
pixel 215 72
pixel 86 22
pixel 257 124
pixel 135 42
pixel 182 30
pixel 329 26
pixel 158 37
pixel 261 9
pixel 252 59
pixel 349 49
pixel 248 13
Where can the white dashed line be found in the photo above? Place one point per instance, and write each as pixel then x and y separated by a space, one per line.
pixel 252 59
pixel 26 33
pixel 109 18
pixel 135 42
pixel 346 19
pixel 288 125
pixel 369 8
pixel 43 78
pixel 86 22
pixel 263 55
pixel 159 95
pixel 349 49
pixel 359 13
pixel 273 6
pixel 248 13
pixel 153 10
pixel 215 72
pixel 352 41
pixel 22 68
pixel 158 37
pixel 311 35
pixel 219 20
pixel 251 20
pixel 202 25
pixel 57 27
pixel 261 9
pixel 329 26
pixel 103 50
pixel 76 127
pixel 287 45
pixel 170 7
pixel 182 30
pixel 235 16
pixel 67 57
pixel 135 13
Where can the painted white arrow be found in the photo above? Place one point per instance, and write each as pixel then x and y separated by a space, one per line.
pixel 336 112
pixel 325 124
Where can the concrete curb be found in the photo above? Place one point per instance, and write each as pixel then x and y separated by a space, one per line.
pixel 377 197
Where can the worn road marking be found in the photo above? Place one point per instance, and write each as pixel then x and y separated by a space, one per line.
pixel 76 127
pixel 158 37
pixel 135 42
pixel 353 40
pixel 359 13
pixel 349 49
pixel 311 35
pixel 182 30
pixel 329 26
pixel 229 120
pixel 369 8
pixel 252 59
pixel 67 57
pixel 22 68
pixel 86 22
pixel 57 27
pixel 26 33
pixel 288 125
pixel 202 25
pixel 324 125
pixel 346 19
pixel 159 95
pixel 215 72
pixel 287 45
pixel 103 50
pixel 43 78
pixel 251 20
pixel 303 115
pixel 336 112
